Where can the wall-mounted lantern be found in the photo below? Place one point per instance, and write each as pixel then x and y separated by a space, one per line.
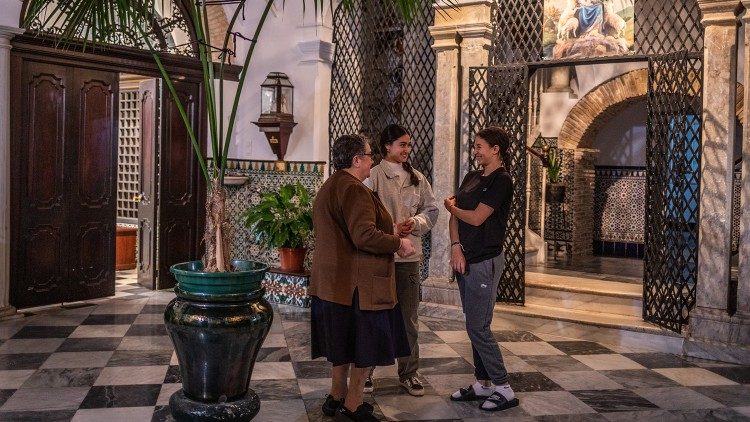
pixel 277 111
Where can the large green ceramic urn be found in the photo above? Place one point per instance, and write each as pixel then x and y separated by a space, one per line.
pixel 217 322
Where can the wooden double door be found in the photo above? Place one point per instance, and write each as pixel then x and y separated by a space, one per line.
pixel 64 182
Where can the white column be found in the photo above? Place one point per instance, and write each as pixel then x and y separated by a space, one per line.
pixel 719 88
pixel 6 33
pixel 714 333
pixel 743 288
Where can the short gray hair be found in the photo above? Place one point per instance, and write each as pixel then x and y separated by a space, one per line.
pixel 345 148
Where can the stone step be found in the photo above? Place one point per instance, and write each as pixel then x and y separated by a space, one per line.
pixel 584 294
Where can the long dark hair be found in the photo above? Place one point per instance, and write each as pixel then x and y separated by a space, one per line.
pixel 495 135
pixel 390 134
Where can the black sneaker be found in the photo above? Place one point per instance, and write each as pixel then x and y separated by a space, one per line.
pixel 413 386
pixel 330 406
pixel 363 414
pixel 369 385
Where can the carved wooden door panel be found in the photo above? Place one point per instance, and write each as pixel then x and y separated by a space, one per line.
pixel 148 199
pixel 180 188
pixel 39 254
pixel 91 186
pixel 63 187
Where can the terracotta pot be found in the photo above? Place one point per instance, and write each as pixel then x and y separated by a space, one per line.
pixel 292 259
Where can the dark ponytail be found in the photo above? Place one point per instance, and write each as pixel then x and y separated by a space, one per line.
pixel 390 134
pixel 495 135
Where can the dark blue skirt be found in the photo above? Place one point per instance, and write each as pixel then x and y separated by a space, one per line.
pixel 347 334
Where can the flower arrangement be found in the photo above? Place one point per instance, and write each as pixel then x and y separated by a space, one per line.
pixel 282 219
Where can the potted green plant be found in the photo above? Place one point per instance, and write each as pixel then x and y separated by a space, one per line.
pixel 555 190
pixel 219 319
pixel 283 220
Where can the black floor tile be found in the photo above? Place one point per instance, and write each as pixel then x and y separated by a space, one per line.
pixel 153 309
pixel 162 414
pixel 444 366
pixel 312 369
pixel 613 400
pixel 659 360
pixel 39 331
pixel 740 374
pixel 555 363
pixel 639 378
pixel 63 377
pixel 22 361
pixel 110 319
pixel 173 375
pixel 273 354
pixel 276 389
pixel 140 358
pixel 121 396
pixel 90 344
pixel 428 337
pixel 5 395
pixel 728 395
pixel 531 381
pixel 147 330
pixel 444 325
pixel 514 336
pixel 580 347
pixel 49 416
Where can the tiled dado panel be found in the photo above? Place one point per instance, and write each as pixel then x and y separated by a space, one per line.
pixel 619 204
pixel 263 177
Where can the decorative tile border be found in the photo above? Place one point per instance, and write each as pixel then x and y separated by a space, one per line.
pixel 287 289
pixel 263 177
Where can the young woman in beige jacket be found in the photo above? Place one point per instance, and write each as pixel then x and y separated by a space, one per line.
pixel 408 197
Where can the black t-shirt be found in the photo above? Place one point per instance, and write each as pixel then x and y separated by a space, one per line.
pixel 496 191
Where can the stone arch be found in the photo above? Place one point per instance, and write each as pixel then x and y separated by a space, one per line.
pixel 605 101
pixel 218 25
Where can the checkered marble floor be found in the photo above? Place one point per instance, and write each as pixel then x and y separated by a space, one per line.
pixel 111 360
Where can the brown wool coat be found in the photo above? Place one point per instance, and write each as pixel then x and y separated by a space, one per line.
pixel 354 245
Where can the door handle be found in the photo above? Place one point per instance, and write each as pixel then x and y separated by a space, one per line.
pixel 138 197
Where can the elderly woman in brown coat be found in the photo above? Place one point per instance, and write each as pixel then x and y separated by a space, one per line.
pixel 356 322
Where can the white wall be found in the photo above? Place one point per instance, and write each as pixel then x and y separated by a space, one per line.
pixel 299 45
pixel 11 12
pixel 622 139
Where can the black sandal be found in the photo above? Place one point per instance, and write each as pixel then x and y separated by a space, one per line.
pixel 500 402
pixel 468 394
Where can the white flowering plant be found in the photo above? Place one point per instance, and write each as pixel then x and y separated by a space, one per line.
pixel 282 219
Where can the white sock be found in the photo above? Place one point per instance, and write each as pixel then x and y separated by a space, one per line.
pixel 481 390
pixel 506 391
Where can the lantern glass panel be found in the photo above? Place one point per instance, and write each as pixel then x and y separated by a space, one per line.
pixel 267 100
pixel 287 98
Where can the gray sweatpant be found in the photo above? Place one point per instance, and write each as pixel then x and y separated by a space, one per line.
pixel 407 292
pixel 478 288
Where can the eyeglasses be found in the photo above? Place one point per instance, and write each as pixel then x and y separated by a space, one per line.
pixel 369 154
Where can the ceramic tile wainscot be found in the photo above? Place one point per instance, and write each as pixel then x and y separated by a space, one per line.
pixel 287 288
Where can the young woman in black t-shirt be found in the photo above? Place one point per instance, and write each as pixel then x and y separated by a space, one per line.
pixel 479 217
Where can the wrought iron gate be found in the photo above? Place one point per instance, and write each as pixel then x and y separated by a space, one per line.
pixel 384 72
pixel 499 96
pixel 672 186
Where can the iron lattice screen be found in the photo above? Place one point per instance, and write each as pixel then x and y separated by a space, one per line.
pixel 384 72
pixel 128 156
pixel 499 96
pixel 672 187
pixel 659 27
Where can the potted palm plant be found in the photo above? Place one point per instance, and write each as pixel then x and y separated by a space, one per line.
pixel 555 190
pixel 219 318
pixel 283 220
